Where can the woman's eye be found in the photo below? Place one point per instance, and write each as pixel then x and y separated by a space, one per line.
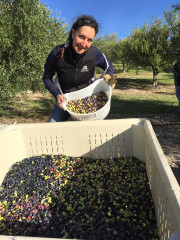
pixel 81 37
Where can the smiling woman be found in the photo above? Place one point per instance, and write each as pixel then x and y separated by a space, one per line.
pixel 82 38
pixel 74 63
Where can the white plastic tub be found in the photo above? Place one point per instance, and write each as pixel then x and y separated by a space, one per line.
pixel 99 139
pixel 98 86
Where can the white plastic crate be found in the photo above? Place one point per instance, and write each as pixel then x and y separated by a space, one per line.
pixel 99 139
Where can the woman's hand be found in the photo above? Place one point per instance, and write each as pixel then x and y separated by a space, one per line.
pixel 111 80
pixel 60 100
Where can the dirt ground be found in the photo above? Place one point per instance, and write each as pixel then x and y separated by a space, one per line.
pixel 166 127
pixel 168 134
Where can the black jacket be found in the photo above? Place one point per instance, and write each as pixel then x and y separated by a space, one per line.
pixel 75 71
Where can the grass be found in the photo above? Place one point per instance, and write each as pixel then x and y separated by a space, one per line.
pixel 134 96
pixel 30 108
pixel 144 104
pixel 148 100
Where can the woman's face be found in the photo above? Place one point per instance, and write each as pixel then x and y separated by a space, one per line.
pixel 82 38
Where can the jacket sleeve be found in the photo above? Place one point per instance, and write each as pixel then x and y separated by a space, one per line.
pixel 104 63
pixel 49 72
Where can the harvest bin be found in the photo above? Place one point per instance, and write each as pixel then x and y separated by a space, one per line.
pixel 99 139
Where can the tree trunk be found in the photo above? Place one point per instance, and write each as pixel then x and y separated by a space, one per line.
pixel 155 73
pixel 124 68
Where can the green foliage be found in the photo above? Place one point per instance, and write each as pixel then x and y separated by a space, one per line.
pixel 118 68
pixel 105 44
pixel 173 22
pixel 27 34
pixel 149 46
pixel 119 53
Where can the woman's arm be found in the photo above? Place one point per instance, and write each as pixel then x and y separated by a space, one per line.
pixel 102 61
pixel 106 65
pixel 49 72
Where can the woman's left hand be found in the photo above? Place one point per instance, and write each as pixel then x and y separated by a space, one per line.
pixel 111 80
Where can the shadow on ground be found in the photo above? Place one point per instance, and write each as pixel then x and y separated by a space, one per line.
pixel 40 109
pixel 140 106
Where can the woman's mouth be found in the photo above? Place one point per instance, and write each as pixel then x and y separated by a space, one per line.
pixel 80 48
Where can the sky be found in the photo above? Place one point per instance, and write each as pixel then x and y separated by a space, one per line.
pixel 114 16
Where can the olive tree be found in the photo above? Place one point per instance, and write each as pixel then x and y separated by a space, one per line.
pixel 172 17
pixel 119 52
pixel 27 34
pixel 105 44
pixel 149 46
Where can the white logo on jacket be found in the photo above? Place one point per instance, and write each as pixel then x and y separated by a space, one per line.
pixel 84 69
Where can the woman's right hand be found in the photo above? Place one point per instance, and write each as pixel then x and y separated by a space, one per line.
pixel 60 100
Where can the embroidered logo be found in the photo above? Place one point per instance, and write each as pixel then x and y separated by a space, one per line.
pixel 84 69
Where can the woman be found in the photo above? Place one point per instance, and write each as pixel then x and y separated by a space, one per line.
pixel 74 62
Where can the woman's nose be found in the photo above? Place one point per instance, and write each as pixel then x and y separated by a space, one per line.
pixel 84 43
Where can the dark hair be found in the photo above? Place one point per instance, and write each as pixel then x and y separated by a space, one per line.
pixel 84 20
